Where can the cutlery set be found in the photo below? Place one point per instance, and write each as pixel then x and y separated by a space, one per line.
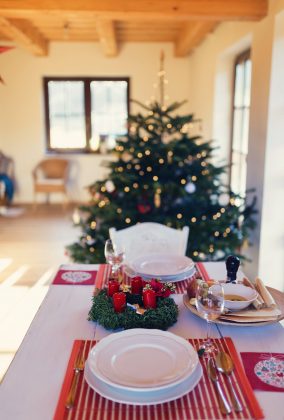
pixel 224 364
pixel 78 367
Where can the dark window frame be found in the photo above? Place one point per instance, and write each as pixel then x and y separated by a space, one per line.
pixel 87 105
pixel 240 58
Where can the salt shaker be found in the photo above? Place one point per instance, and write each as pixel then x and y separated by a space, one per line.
pixel 232 266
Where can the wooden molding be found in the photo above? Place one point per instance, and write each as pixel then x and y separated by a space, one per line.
pixel 33 23
pixel 191 35
pixel 25 34
pixel 156 9
pixel 106 32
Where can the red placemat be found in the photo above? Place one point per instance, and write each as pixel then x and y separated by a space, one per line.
pixel 105 271
pixel 199 404
pixel 202 271
pixel 75 277
pixel 265 371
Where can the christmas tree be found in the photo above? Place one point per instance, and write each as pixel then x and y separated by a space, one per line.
pixel 164 174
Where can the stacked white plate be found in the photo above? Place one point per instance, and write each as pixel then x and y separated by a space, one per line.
pixel 143 367
pixel 166 267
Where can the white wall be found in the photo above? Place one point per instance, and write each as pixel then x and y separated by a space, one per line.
pixel 211 72
pixel 22 133
pixel 272 227
pixel 212 78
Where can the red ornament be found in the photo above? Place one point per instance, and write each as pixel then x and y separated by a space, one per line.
pixel 149 299
pixel 113 287
pixel 143 208
pixel 136 286
pixel 119 301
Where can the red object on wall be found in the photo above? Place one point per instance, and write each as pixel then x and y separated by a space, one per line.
pixel 4 48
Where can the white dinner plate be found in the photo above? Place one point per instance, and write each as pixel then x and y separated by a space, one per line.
pixel 141 359
pixel 162 264
pixel 173 278
pixel 150 397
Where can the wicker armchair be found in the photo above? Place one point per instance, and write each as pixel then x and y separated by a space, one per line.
pixel 51 176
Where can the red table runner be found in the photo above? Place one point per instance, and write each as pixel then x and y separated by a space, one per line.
pixel 105 270
pixel 199 404
pixel 100 278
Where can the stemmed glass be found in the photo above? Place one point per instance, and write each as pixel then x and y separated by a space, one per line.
pixel 210 305
pixel 114 254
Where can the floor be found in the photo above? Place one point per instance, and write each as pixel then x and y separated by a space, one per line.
pixel 32 246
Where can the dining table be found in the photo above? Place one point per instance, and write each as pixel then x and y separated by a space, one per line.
pixel 32 385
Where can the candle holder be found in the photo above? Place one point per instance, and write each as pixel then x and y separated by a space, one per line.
pixel 104 310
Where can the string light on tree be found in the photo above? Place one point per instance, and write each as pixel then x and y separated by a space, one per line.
pixel 93 224
pixel 164 173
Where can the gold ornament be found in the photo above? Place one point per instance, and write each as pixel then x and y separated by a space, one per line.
pixel 170 156
pixel 157 199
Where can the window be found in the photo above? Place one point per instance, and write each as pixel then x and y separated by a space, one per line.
pixel 85 114
pixel 240 125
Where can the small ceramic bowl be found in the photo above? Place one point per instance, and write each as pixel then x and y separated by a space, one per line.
pixel 238 296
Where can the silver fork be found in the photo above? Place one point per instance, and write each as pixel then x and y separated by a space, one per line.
pixel 78 367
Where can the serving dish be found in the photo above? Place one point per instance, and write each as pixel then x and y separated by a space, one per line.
pixel 238 296
pixel 239 321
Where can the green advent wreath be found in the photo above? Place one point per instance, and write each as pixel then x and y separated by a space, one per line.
pixel 162 317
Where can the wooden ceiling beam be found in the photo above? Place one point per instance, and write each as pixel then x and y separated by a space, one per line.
pixel 107 37
pixel 191 35
pixel 215 10
pixel 25 34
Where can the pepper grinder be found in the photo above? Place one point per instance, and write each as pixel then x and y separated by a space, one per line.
pixel 232 266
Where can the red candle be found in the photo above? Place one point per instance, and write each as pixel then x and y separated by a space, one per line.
pixel 119 301
pixel 149 299
pixel 113 287
pixel 136 286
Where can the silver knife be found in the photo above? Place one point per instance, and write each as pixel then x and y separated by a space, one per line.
pixel 213 375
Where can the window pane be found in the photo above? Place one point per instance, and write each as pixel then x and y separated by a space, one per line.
pixel 237 129
pixel 239 172
pixel 235 171
pixel 240 124
pixel 67 114
pixel 239 85
pixel 108 113
pixel 247 84
pixel 245 134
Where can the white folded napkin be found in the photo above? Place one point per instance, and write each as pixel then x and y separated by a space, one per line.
pixel 265 294
pixel 259 313
pixel 258 303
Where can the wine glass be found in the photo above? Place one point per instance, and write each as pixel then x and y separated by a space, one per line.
pixel 114 254
pixel 210 305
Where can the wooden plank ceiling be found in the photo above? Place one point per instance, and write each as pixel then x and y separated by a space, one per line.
pixel 34 24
